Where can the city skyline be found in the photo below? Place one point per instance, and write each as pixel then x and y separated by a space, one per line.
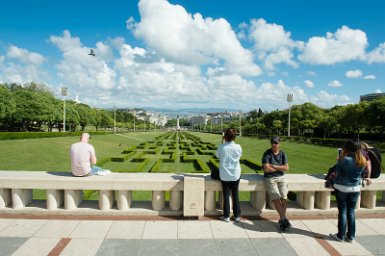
pixel 196 54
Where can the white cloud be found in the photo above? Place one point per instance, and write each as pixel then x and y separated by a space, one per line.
pixel 369 77
pixel 311 73
pixel 78 70
pixel 309 84
pixel 344 45
pixel 25 56
pixel 327 100
pixel 353 73
pixel 378 91
pixel 20 65
pixel 335 83
pixel 273 44
pixel 181 37
pixel 377 55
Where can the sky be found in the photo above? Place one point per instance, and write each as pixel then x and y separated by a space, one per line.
pixel 177 54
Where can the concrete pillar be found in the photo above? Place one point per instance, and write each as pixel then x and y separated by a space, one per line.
pixel 55 199
pixel 106 199
pixel 300 199
pixel 72 199
pixel 194 196
pixel 322 200
pixel 308 200
pixel 124 200
pixel 158 200
pixel 21 198
pixel 175 200
pixel 252 198
pixel 260 200
pixel 209 200
pixel 5 197
pixel 368 199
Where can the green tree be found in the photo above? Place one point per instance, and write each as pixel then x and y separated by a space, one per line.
pixel 7 104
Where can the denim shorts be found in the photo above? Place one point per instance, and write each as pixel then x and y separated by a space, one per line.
pixel 276 187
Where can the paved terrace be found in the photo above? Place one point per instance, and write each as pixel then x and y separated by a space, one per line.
pixel 162 236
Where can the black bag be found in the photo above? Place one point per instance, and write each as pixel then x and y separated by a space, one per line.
pixel 375 159
pixel 330 177
pixel 215 174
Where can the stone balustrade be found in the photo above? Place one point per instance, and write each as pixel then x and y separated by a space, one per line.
pixel 172 194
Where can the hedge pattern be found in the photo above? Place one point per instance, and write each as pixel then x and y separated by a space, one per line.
pixel 174 151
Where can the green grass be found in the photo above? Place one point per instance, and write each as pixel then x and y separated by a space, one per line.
pixel 52 154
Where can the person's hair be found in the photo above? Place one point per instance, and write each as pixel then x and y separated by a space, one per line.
pixel 230 134
pixel 355 148
pixel 365 146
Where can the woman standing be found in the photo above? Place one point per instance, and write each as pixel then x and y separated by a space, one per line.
pixel 347 185
pixel 229 154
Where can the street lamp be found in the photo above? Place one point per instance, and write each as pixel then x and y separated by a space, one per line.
pixel 114 120
pixel 64 94
pixel 240 122
pixel 289 99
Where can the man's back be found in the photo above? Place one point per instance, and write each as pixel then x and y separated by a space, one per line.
pixel 81 154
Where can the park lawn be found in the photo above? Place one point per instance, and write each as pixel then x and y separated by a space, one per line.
pixel 52 154
pixel 303 158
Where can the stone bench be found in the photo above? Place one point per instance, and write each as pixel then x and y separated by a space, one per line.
pixel 190 194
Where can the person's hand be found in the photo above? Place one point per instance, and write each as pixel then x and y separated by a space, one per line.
pixel 368 181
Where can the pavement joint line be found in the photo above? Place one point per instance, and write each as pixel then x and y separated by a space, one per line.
pixel 60 246
pixel 271 217
pixel 327 246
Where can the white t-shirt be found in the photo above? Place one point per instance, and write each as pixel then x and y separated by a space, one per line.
pixel 81 154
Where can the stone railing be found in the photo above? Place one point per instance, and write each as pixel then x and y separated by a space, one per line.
pixel 172 194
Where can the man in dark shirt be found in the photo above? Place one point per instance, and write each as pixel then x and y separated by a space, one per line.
pixel 275 163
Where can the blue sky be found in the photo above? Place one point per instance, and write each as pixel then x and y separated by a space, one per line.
pixel 197 54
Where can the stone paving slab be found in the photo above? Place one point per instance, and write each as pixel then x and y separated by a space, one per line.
pixel 306 246
pixel 160 230
pixel 197 247
pixel 96 229
pixel 126 230
pixel 8 245
pixel 186 237
pixel 222 229
pixel 158 247
pixel 374 244
pixel 36 247
pixel 82 247
pixel 232 247
pixel 194 230
pixel 22 228
pixel 119 247
pixel 273 247
pixel 57 229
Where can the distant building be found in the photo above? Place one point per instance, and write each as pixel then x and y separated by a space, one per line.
pixel 199 120
pixel 371 96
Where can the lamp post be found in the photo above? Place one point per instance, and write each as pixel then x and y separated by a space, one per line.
pixel 240 122
pixel 134 114
pixel 114 120
pixel 289 99
pixel 64 94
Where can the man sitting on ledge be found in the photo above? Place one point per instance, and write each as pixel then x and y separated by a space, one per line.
pixel 83 158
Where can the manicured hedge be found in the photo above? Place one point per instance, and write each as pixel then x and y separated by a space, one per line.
pixel 38 135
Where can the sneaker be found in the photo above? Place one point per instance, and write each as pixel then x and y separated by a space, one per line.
pixel 348 240
pixel 286 223
pixel 103 172
pixel 227 219
pixel 237 219
pixel 335 237
pixel 281 226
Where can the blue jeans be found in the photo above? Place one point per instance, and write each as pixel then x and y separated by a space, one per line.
pixel 346 203
pixel 95 169
pixel 227 187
